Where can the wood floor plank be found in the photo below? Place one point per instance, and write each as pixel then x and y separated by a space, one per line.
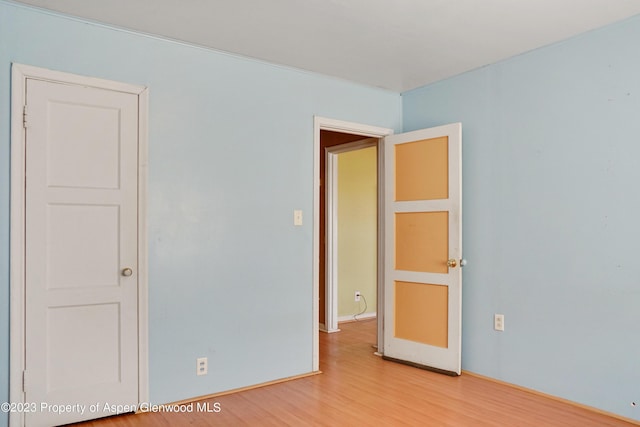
pixel 358 388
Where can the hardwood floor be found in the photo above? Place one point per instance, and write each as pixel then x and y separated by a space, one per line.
pixel 358 388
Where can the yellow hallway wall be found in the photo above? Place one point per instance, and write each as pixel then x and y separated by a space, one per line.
pixel 357 230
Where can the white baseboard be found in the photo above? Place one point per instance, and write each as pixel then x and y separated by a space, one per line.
pixel 351 318
pixel 322 327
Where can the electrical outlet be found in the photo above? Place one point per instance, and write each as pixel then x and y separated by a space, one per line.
pixel 357 298
pixel 202 366
pixel 498 322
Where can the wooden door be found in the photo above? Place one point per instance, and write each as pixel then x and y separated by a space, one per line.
pixel 81 251
pixel 423 282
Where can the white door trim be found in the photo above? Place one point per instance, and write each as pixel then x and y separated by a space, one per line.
pixel 20 74
pixel 322 123
pixel 331 177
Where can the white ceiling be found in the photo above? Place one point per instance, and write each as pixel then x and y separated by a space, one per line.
pixel 393 44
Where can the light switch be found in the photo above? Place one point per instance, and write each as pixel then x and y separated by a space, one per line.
pixel 297 217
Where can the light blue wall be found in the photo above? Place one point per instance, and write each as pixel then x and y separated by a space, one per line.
pixel 230 159
pixel 551 164
pixel 551 159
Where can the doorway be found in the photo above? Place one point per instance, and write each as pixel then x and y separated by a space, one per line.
pixel 351 218
pixel 422 159
pixel 335 133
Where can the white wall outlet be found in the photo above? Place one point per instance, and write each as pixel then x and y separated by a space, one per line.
pixel 357 297
pixel 297 217
pixel 202 367
pixel 498 322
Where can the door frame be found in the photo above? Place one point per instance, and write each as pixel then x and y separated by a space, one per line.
pixel 17 352
pixel 323 123
pixel 332 179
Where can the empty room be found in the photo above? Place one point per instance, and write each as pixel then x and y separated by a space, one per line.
pixel 196 152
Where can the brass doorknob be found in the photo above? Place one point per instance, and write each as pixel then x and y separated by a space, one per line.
pixel 452 263
pixel 127 272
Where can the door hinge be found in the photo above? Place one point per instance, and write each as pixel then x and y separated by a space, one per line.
pixel 24 116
